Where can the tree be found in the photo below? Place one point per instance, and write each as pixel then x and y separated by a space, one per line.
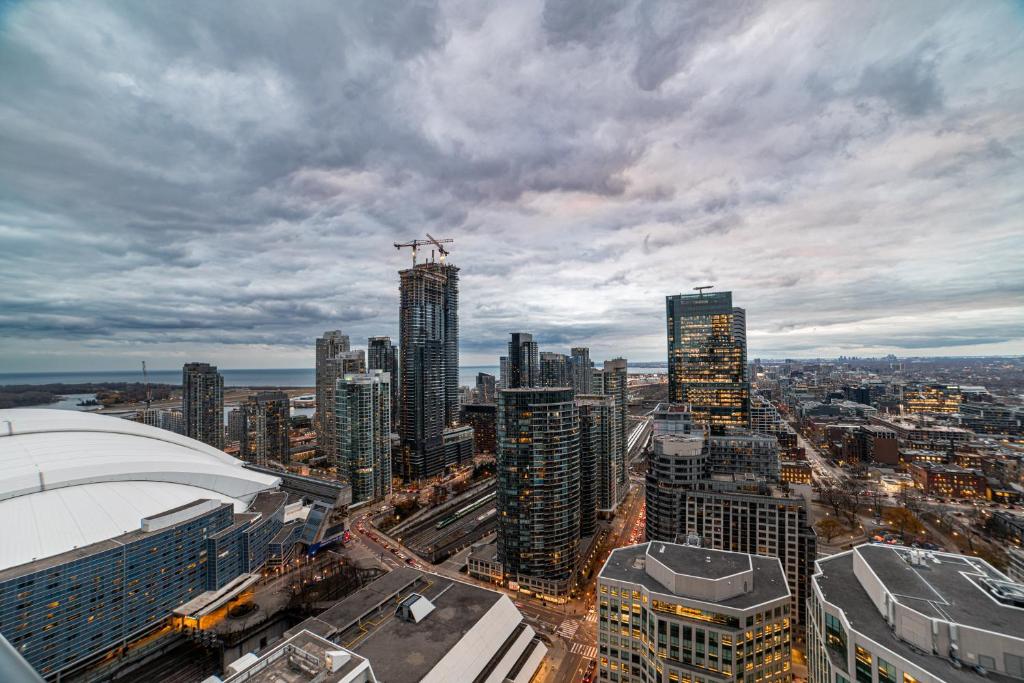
pixel 832 496
pixel 830 527
pixel 851 497
pixel 903 520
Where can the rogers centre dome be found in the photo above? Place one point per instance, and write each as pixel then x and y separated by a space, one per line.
pixel 69 479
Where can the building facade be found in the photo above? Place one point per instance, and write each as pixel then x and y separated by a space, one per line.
pixel 482 417
pixel 555 370
pixel 328 348
pixel 202 403
pixel 523 362
pixel 676 613
pixel 613 380
pixel 582 370
pixel 538 497
pixel 485 388
pixel 707 358
pixel 265 427
pixel 890 614
pixel 429 365
pixel 598 484
pixel 737 515
pixel 363 412
pixel 381 354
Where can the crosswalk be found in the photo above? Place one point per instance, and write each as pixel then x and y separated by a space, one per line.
pixel 588 651
pixel 592 617
pixel 568 628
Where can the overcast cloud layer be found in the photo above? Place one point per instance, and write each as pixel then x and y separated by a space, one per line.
pixel 223 181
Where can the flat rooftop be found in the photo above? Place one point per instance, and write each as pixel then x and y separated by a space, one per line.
pixel 934 589
pixel 277 663
pixel 628 564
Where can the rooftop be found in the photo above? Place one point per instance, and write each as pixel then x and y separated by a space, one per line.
pixel 72 479
pixel 945 587
pixel 768 578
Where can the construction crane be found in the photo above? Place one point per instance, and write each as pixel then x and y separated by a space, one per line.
pixel 416 244
pixel 149 390
pixel 700 290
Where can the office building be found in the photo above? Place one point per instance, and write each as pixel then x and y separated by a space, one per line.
pixel 891 614
pixel 485 388
pixel 522 362
pixel 613 380
pixel 598 485
pixel 502 372
pixel 992 418
pixel 707 358
pixel 381 354
pixel 741 452
pixel 947 480
pixel 428 343
pixel 539 489
pixel 363 412
pixel 932 398
pixel 202 403
pixel 140 524
pixel 555 370
pixel 329 348
pixel 482 417
pixel 265 428
pixel 406 626
pixel 669 612
pixel 734 514
pixel 582 370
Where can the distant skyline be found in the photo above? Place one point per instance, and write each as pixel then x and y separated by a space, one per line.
pixel 225 184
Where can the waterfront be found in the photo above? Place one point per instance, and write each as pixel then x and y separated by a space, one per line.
pixel 274 377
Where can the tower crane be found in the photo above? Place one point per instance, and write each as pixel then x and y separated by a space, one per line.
pixel 416 244
pixel 700 290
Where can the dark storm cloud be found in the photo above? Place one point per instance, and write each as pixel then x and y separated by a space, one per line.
pixel 227 182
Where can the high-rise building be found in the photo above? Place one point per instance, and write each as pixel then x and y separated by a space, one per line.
pixel 707 358
pixel 328 348
pixel 613 380
pixel 482 417
pixel 265 434
pixel 891 614
pixel 381 354
pixel 741 515
pixel 539 488
pixel 671 612
pixel 429 366
pixel 502 372
pixel 555 370
pixel 485 388
pixel 523 362
pixel 363 412
pixel 202 403
pixel 582 370
pixel 598 485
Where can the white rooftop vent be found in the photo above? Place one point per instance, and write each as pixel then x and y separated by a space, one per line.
pixel 337 659
pixel 414 608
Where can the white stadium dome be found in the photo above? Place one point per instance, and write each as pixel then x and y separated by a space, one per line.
pixel 69 479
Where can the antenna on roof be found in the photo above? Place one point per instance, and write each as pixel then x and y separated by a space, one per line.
pixel 700 290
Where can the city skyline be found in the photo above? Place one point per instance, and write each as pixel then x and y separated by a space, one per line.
pixel 854 171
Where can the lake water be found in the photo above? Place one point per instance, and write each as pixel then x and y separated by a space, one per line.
pixel 277 377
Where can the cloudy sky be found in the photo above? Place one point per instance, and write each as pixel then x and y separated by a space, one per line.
pixel 224 180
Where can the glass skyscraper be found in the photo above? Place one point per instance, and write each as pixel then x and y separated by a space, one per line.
pixel 428 340
pixel 539 488
pixel 381 354
pixel 523 362
pixel 707 358
pixel 202 403
pixel 363 412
